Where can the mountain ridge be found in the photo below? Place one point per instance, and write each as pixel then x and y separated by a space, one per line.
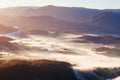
pixel 76 19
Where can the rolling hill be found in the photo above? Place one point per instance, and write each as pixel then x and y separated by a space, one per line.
pixel 105 22
pixel 62 19
pixel 6 29
pixel 64 13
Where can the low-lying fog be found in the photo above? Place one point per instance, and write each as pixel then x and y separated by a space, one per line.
pixel 62 48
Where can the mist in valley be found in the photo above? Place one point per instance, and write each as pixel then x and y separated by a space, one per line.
pixel 43 45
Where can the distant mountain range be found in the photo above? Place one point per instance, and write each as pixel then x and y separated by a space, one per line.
pixel 64 13
pixel 75 19
pixel 106 22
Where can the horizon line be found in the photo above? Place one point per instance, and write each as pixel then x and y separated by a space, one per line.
pixel 57 6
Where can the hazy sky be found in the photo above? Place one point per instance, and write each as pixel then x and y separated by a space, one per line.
pixel 101 4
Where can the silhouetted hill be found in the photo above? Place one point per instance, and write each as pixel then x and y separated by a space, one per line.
pixel 51 70
pixel 36 70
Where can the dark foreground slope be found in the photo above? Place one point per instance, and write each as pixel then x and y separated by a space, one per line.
pixel 36 70
pixel 51 70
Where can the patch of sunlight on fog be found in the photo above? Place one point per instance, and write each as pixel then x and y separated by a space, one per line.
pixel 118 78
pixel 49 43
pixel 81 61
